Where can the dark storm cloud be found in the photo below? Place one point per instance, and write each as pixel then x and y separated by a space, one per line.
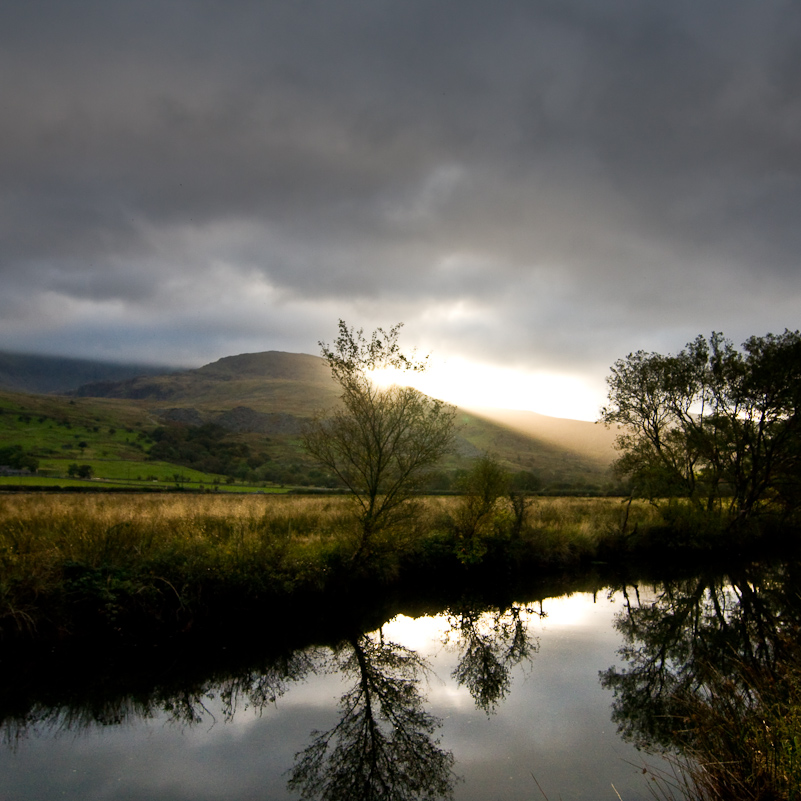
pixel 550 183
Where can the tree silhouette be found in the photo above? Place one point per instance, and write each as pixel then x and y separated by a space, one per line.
pixel 713 424
pixel 381 442
pixel 492 642
pixel 383 746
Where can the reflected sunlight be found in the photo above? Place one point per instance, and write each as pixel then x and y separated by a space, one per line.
pixel 415 633
pixel 581 609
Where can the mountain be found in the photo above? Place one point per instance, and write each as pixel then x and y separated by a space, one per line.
pixel 271 393
pixel 272 382
pixel 573 454
pixel 593 440
pixel 58 375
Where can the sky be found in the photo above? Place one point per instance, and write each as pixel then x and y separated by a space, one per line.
pixel 535 188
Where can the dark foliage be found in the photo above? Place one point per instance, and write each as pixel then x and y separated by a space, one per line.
pixel 15 457
pixel 718 426
pixel 205 447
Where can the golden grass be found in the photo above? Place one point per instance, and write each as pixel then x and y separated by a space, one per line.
pixel 96 529
pixel 113 531
pixel 169 538
pixel 121 550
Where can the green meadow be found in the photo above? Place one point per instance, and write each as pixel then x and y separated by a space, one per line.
pixel 111 437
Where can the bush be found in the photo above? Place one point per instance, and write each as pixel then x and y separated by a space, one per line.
pixel 476 514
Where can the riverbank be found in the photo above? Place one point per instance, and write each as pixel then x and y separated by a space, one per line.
pixel 134 566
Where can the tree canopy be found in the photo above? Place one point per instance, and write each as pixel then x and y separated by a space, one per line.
pixel 715 424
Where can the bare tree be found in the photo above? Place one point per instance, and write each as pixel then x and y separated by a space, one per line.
pixel 381 442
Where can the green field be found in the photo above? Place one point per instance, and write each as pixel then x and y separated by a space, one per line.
pixel 35 482
pixel 137 471
pixel 112 437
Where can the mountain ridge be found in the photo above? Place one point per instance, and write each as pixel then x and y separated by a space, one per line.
pixel 269 382
pixel 270 394
pixel 591 438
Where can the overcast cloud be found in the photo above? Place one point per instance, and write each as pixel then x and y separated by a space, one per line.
pixel 538 184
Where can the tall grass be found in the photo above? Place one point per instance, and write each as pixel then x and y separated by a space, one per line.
pixel 567 528
pixel 740 737
pixel 112 560
pixel 140 552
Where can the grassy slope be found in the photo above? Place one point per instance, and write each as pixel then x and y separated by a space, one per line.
pixel 53 428
pixel 592 442
pixel 561 451
pixel 270 382
pixel 520 450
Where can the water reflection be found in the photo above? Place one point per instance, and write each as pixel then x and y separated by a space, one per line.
pixel 183 700
pixel 696 653
pixel 491 643
pixel 383 745
pixel 705 658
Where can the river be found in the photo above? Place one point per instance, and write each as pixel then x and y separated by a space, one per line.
pixel 475 702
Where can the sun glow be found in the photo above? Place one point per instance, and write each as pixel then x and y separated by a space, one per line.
pixel 480 385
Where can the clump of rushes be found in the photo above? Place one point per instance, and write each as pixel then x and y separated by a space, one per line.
pixel 743 734
pixel 113 558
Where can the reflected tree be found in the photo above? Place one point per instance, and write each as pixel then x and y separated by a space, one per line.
pixel 491 642
pixel 185 702
pixel 712 673
pixel 661 641
pixel 687 632
pixel 383 746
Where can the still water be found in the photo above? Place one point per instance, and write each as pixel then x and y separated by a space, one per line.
pixel 470 703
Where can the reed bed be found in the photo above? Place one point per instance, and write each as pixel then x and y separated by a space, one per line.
pixel 133 552
pixel 565 528
pixel 46 531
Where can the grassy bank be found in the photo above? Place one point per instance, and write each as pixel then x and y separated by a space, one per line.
pixel 132 564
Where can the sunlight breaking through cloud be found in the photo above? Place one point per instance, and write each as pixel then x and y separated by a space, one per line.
pixel 476 385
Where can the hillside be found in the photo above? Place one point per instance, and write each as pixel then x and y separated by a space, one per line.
pixel 593 440
pixel 272 392
pixel 568 461
pixel 256 404
pixel 266 383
